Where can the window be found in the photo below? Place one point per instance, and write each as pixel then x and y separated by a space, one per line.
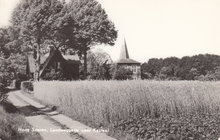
pixel 134 69
pixel 138 69
pixel 58 65
pixel 128 67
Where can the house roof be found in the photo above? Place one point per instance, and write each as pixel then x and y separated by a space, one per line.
pixel 45 59
pixel 67 57
pixel 124 56
pixel 52 54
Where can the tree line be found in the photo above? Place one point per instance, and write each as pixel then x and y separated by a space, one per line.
pixel 197 67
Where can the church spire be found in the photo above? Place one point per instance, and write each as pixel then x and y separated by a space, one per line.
pixel 124 51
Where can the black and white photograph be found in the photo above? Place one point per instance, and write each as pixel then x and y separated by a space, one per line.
pixel 109 70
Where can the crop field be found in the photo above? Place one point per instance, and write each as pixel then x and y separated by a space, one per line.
pixel 139 109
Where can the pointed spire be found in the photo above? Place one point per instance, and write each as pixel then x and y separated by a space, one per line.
pixel 124 51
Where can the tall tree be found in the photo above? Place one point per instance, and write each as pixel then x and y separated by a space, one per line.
pixel 94 27
pixel 33 20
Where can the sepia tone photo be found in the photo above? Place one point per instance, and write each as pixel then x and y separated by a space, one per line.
pixel 109 70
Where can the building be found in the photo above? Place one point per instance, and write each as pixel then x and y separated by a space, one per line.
pixel 69 64
pixel 128 63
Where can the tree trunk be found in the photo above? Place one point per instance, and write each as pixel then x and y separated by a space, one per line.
pixel 85 65
pixel 37 69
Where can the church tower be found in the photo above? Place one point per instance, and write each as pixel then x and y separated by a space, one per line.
pixel 128 63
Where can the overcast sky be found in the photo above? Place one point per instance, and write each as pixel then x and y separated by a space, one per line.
pixel 157 28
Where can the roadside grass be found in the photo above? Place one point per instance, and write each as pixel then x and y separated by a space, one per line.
pixel 10 123
pixel 139 109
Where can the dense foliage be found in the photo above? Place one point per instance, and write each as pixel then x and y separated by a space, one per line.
pixel 12 65
pixel 77 24
pixel 198 67
pixel 4 39
pixel 99 65
pixel 122 73
pixel 52 74
pixel 94 27
pixel 11 68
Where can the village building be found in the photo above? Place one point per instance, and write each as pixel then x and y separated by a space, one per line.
pixel 126 62
pixel 54 61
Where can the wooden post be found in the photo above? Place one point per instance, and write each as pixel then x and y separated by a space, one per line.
pixel 85 64
pixel 37 63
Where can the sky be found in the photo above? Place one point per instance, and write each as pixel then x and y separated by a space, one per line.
pixel 157 28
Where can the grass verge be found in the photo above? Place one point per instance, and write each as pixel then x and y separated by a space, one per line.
pixel 11 123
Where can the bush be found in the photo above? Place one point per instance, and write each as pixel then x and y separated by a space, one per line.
pixel 122 73
pixel 52 74
pixel 27 86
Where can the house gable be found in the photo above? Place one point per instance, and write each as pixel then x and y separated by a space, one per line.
pixel 54 56
pixel 70 65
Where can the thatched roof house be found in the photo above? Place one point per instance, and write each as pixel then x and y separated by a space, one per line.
pixel 69 64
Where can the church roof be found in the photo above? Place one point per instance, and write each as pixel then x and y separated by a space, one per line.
pixel 124 56
pixel 124 51
pixel 127 61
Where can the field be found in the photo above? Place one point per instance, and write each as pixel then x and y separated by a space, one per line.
pixel 139 109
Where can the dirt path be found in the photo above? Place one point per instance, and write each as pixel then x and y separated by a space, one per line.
pixel 50 124
pixel 37 119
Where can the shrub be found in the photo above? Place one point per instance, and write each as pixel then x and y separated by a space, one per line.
pixel 27 86
pixel 122 73
pixel 99 65
pixel 52 74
